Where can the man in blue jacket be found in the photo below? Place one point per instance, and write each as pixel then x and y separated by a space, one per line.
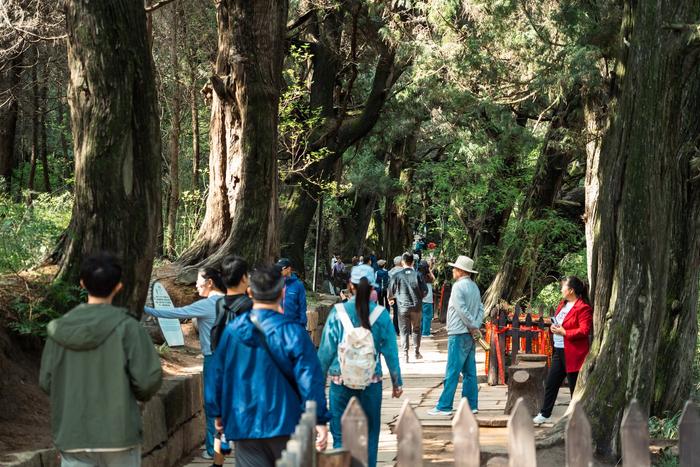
pixel 294 299
pixel 265 369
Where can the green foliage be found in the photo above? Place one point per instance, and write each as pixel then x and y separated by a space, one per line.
pixel 28 233
pixel 33 314
pixel 665 427
pixel 666 459
pixel 190 214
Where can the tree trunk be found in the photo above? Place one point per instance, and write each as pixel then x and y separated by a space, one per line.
pixel 397 231
pixel 243 150
pixel 62 133
pixel 116 142
pixel 9 79
pixel 42 126
pixel 174 144
pixel 35 128
pixel 520 258
pixel 646 249
pixel 195 131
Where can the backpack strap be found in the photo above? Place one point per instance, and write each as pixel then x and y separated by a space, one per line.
pixel 343 317
pixel 376 313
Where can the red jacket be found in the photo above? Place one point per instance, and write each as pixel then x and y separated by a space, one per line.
pixel 578 324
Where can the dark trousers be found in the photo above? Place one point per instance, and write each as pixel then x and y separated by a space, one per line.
pixel 395 319
pixel 556 375
pixel 410 323
pixel 260 452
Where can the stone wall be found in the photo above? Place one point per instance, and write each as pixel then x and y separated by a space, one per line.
pixel 173 425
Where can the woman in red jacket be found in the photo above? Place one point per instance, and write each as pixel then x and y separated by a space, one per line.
pixel 571 326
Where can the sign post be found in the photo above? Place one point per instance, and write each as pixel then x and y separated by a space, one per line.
pixel 170 326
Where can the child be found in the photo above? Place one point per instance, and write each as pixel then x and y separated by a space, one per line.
pixel 97 363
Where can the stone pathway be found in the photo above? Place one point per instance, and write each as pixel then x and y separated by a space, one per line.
pixel 422 386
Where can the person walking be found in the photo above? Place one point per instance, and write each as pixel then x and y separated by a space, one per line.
pixel 211 287
pixel 265 369
pixel 98 362
pixel 381 279
pixel 465 313
pixel 571 327
pixel 427 306
pixel 407 290
pixel 356 333
pixel 394 308
pixel 294 298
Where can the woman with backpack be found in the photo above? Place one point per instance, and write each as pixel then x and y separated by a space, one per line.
pixel 211 287
pixel 356 333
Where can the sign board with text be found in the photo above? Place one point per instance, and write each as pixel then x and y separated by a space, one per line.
pixel 170 326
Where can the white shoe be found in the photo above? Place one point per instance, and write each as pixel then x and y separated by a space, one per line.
pixel 206 455
pixel 475 411
pixel 439 413
pixel 540 419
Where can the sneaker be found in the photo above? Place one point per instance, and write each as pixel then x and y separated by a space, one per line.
pixel 540 419
pixel 475 411
pixel 439 413
pixel 419 356
pixel 206 455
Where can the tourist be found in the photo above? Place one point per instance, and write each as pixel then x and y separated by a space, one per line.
pixel 407 290
pixel 465 313
pixel 338 275
pixel 265 369
pixel 365 269
pixel 210 286
pixel 381 279
pixel 294 301
pixel 234 273
pixel 571 326
pixel 361 378
pixel 394 308
pixel 98 361
pixel 427 311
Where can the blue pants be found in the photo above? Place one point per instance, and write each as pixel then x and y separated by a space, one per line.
pixel 427 318
pixel 211 430
pixel 370 400
pixel 461 358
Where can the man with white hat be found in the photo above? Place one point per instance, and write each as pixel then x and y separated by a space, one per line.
pixel 465 312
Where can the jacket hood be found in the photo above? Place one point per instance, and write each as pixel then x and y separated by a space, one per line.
pixel 86 327
pixel 247 332
pixel 291 279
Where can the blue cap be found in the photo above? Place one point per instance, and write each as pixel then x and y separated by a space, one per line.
pixel 363 270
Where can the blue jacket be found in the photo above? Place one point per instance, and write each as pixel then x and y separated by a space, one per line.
pixel 384 342
pixel 294 302
pixel 246 389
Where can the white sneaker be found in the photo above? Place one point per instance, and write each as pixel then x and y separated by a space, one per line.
pixel 475 411
pixel 439 413
pixel 540 419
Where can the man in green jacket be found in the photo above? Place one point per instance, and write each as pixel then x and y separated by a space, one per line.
pixel 97 362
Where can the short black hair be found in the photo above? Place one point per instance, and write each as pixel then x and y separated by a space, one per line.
pixel 214 275
pixel 100 274
pixel 233 268
pixel 407 258
pixel 267 283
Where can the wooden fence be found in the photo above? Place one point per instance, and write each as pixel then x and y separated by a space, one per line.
pixel 634 434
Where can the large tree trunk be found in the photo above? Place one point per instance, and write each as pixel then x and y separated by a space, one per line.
pixel 242 207
pixel 43 146
pixel 35 127
pixel 114 117
pixel 9 79
pixel 520 258
pixel 646 250
pixel 195 130
pixel 397 230
pixel 174 143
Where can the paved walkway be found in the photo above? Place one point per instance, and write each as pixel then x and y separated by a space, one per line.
pixel 422 386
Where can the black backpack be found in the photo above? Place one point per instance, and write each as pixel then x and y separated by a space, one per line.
pixel 226 313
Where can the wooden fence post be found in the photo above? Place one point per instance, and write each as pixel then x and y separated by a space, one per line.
pixel 515 336
pixel 528 333
pixel 409 434
pixel 634 432
pixel 354 429
pixel 689 435
pixel 465 436
pixel 579 444
pixel 521 438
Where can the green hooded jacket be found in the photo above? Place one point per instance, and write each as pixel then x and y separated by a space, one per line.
pixel 97 362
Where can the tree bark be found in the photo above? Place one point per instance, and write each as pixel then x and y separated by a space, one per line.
pixel 9 79
pixel 174 143
pixel 646 250
pixel 195 130
pixel 42 127
pixel 397 231
pixel 114 118
pixel 35 128
pixel 242 207
pixel 520 258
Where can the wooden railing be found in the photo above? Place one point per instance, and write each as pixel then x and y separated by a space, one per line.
pixel 634 434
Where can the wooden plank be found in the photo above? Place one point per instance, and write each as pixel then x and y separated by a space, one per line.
pixel 634 432
pixel 409 434
pixel 354 428
pixel 465 436
pixel 579 444
pixel 515 336
pixel 334 458
pixel 521 437
pixel 294 453
pixel 689 435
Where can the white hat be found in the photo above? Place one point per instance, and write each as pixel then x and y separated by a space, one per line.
pixel 465 263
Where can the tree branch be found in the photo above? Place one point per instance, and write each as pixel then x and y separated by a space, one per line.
pixel 155 6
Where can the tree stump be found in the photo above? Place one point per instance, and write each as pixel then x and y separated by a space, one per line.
pixel 526 380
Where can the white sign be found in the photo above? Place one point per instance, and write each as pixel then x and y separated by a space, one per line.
pixel 170 326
